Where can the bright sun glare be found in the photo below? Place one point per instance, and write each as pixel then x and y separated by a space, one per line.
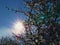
pixel 18 27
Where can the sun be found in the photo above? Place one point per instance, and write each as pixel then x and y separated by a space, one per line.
pixel 18 27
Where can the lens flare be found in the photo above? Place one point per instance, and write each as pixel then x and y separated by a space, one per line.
pixel 18 28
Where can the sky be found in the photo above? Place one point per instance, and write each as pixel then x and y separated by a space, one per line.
pixel 7 17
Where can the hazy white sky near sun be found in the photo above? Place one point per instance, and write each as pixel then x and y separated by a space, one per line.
pixel 5 31
pixel 17 27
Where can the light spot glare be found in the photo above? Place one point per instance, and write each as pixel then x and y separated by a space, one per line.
pixel 18 27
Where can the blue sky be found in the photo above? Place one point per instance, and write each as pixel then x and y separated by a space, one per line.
pixel 8 17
